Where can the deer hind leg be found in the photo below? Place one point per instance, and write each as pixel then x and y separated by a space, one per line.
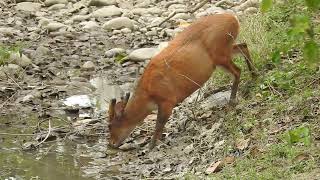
pixel 242 49
pixel 164 112
pixel 235 71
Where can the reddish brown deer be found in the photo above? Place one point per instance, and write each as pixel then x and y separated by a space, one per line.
pixel 177 71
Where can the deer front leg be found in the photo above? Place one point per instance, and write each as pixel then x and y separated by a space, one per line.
pixel 164 112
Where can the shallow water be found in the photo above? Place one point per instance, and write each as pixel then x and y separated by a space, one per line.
pixel 59 159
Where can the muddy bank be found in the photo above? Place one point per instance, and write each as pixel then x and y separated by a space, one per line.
pixel 65 73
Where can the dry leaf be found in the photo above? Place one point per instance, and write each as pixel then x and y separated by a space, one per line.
pixel 255 151
pixel 242 144
pixel 215 167
pixel 302 157
pixel 229 160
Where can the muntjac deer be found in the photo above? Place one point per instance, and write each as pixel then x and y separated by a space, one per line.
pixel 177 71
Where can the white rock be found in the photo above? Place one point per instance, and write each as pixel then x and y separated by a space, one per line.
pixel 52 2
pixel 247 4
pixel 161 47
pixel 126 30
pixel 113 52
pixel 218 99
pixel 56 7
pixel 102 2
pixel 89 65
pixel 251 10
pixel 80 17
pixel 142 54
pixel 108 11
pixel 43 21
pixel 118 23
pixel 28 6
pixel 89 25
pixel 54 26
pixel 79 100
pixel 183 16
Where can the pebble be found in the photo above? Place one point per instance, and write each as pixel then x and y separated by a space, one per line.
pixel 118 23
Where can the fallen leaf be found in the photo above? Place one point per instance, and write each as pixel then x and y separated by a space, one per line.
pixel 229 160
pixel 215 167
pixel 242 144
pixel 255 151
pixel 302 157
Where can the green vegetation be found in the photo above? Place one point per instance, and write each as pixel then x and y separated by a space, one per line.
pixel 6 51
pixel 278 112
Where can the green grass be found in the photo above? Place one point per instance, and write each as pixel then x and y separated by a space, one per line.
pixel 6 51
pixel 284 97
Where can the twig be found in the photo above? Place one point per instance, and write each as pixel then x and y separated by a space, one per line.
pixel 49 131
pixel 12 134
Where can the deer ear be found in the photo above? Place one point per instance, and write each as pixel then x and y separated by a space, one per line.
pixel 111 108
pixel 126 98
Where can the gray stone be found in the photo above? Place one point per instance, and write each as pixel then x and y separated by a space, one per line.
pixel 42 51
pixel 142 54
pixel 108 11
pixel 56 7
pixel 54 26
pixel 89 65
pixel 217 99
pixel 251 10
pixel 113 52
pixel 80 17
pixel 102 2
pixel 118 23
pixel 7 31
pixel 28 6
pixel 89 25
pixel 52 2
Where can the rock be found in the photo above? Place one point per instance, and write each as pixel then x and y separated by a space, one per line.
pixel 80 17
pixel 142 54
pixel 126 30
pixel 217 99
pixel 246 5
pixel 183 16
pixel 28 6
pixel 7 31
pixel 224 3
pixel 44 21
pixel 41 51
pixel 90 25
pixel 54 26
pixel 102 2
pixel 56 7
pixel 10 69
pixel 113 52
pixel 161 46
pixel 20 59
pixel 251 10
pixel 89 65
pixel 118 23
pixel 108 11
pixel 52 2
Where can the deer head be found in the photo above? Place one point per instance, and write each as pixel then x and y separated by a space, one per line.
pixel 118 127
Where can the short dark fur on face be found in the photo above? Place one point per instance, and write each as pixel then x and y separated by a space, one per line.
pixel 116 112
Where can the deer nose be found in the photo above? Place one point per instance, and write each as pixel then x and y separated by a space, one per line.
pixel 114 145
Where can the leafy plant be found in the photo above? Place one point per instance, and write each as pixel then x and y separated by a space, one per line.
pixel 120 58
pixel 299 134
pixel 301 31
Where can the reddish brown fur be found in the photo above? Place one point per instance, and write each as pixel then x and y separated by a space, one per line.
pixel 179 70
